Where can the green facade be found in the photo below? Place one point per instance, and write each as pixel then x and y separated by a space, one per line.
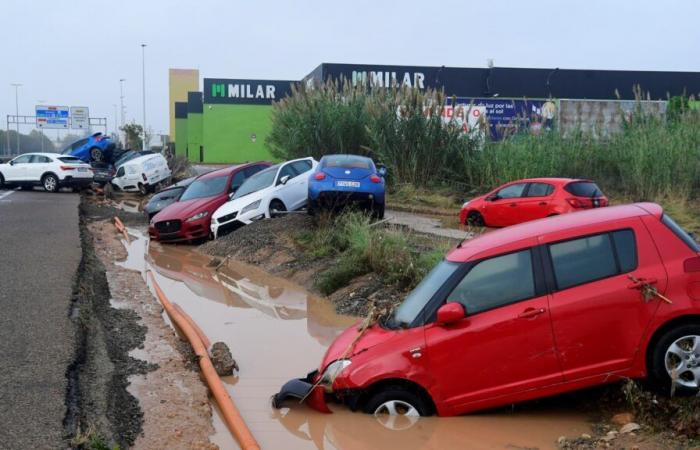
pixel 236 133
pixel 180 136
pixel 194 136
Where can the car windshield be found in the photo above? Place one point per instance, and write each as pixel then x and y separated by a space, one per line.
pixel 69 159
pixel 172 192
pixel 206 187
pixel 259 181
pixel 416 300
pixel 126 156
pixel 346 162
pixel 583 189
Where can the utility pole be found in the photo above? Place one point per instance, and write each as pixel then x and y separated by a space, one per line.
pixel 121 99
pixel 41 130
pixel 17 85
pixel 116 130
pixel 143 75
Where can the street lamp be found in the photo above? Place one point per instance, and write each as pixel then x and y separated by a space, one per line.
pixel 41 130
pixel 115 119
pixel 17 85
pixel 143 75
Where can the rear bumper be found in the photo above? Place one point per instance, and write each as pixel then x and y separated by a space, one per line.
pixel 75 182
pixel 333 199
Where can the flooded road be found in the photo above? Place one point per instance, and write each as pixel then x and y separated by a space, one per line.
pixel 277 331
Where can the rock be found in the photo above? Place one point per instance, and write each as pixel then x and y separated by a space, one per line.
pixel 610 436
pixel 561 440
pixel 585 436
pixel 622 418
pixel 222 359
pixel 630 427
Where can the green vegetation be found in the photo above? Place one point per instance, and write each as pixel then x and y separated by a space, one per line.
pixel 361 247
pixel 91 440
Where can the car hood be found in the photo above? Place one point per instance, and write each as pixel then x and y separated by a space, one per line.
pixel 347 174
pixel 374 335
pixel 240 203
pixel 183 210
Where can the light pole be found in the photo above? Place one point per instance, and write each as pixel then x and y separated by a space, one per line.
pixel 143 76
pixel 17 85
pixel 121 99
pixel 41 130
pixel 115 120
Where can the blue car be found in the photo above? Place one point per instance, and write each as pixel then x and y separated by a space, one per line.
pixel 95 148
pixel 342 180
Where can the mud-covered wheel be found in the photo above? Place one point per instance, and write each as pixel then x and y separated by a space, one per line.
pixel 143 189
pixel 50 183
pixel 96 154
pixel 475 219
pixel 276 206
pixel 675 361
pixel 397 407
pixel 2 182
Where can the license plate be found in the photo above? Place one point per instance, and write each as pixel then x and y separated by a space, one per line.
pixel 82 169
pixel 354 184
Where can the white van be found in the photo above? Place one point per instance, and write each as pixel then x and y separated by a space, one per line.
pixel 141 173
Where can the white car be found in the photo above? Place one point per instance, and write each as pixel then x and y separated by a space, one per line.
pixel 140 173
pixel 282 187
pixel 50 170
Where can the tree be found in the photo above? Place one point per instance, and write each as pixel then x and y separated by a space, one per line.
pixel 133 133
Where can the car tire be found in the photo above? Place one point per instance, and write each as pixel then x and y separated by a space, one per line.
pixel 378 211
pixel 397 400
pixel 143 189
pixel 475 219
pixel 674 365
pixel 275 206
pixel 310 209
pixel 2 182
pixel 50 183
pixel 96 155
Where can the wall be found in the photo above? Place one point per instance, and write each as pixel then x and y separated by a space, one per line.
pixel 194 135
pixel 180 136
pixel 228 131
pixel 601 117
pixel 180 82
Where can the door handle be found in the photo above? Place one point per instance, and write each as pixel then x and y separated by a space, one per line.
pixel 513 205
pixel 543 203
pixel 531 313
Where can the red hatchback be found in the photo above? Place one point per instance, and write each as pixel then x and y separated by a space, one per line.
pixel 529 311
pixel 530 199
pixel 189 218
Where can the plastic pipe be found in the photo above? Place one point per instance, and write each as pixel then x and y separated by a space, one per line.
pixel 200 333
pixel 120 227
pixel 230 413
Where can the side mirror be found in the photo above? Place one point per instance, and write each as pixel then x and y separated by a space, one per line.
pixel 231 194
pixel 382 171
pixel 12 163
pixel 284 179
pixel 450 313
pixel 493 197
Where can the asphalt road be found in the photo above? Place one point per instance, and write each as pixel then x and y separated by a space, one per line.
pixel 39 255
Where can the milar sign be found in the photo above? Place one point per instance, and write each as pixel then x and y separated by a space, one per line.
pixel 250 92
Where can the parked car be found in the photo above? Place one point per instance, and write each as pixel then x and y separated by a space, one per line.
pixel 97 147
pixel 189 218
pixel 281 187
pixel 529 311
pixel 530 199
pixel 137 172
pixel 166 197
pixel 340 180
pixel 50 170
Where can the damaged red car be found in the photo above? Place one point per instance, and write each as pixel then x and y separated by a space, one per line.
pixel 528 311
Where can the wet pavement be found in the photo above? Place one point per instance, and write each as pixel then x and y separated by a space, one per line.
pixel 276 331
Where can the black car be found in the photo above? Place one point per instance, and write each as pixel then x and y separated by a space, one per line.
pixel 166 197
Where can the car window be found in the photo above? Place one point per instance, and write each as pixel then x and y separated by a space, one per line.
pixel 259 181
pixel 540 190
pixel 70 159
pixel 683 235
pixel 78 144
pixel 512 191
pixel 237 180
pixel 592 258
pixel 347 162
pixel 168 194
pixel 301 166
pixel 495 282
pixel 287 170
pixel 24 159
pixel 206 187
pixel 126 156
pixel 583 189
pixel 120 172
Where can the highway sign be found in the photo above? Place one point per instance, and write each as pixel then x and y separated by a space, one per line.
pixel 79 117
pixel 52 117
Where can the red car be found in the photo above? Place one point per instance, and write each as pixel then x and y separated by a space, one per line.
pixel 534 198
pixel 525 312
pixel 189 218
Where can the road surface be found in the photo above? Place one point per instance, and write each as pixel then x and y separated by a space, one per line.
pixel 39 256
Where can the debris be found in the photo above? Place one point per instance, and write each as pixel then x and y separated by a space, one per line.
pixel 610 436
pixel 222 359
pixel 630 427
pixel 622 418
pixel 585 436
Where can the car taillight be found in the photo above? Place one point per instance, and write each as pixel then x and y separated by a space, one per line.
pixel 99 138
pixel 143 175
pixel 375 179
pixel 692 264
pixel 67 168
pixel 576 203
pixel 320 176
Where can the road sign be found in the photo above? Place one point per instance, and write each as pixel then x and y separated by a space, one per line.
pixel 52 117
pixel 79 117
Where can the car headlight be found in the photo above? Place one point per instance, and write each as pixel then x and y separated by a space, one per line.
pixel 332 371
pixel 251 207
pixel 465 204
pixel 198 216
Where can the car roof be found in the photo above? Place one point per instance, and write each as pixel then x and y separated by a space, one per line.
pixel 225 171
pixel 542 227
pixel 552 180
pixel 44 154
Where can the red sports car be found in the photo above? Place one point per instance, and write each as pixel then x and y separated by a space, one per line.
pixel 530 199
pixel 189 218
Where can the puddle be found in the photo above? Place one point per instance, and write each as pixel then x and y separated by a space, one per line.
pixel 128 205
pixel 277 331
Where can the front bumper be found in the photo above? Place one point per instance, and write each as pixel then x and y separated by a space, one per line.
pixel 303 390
pixel 235 222
pixel 189 231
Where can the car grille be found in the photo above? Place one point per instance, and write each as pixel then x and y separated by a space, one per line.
pixel 227 217
pixel 168 226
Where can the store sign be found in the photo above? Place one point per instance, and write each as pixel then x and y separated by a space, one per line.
pixel 79 117
pixel 57 117
pixel 251 92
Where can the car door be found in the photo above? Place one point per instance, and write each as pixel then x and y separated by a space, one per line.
pixel 298 187
pixel 18 168
pixel 503 208
pixel 505 343
pixel 536 202
pixel 38 166
pixel 598 314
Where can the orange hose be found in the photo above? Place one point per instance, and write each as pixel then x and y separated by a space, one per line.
pixel 120 227
pixel 203 337
pixel 230 413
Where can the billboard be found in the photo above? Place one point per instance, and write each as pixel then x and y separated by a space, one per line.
pixel 79 117
pixel 509 116
pixel 56 117
pixel 245 92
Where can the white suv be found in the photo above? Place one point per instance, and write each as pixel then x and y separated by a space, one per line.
pixel 50 170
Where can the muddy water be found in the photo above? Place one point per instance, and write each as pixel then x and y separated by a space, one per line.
pixel 277 331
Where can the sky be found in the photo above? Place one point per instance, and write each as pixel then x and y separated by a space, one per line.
pixel 74 52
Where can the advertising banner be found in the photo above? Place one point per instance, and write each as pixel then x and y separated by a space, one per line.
pixel 506 117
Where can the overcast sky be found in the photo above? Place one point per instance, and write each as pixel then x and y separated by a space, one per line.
pixel 74 52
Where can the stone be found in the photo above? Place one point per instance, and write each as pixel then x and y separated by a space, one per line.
pixel 222 359
pixel 622 418
pixel 585 436
pixel 630 427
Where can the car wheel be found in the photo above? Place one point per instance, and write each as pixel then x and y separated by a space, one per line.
pixel 675 361
pixel 143 189
pixel 276 207
pixel 475 219
pixel 396 407
pixel 310 210
pixel 2 182
pixel 96 154
pixel 378 211
pixel 50 183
